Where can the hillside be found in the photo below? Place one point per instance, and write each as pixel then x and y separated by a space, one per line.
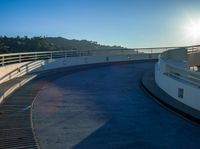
pixel 25 44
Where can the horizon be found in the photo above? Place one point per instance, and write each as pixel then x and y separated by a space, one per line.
pixel 131 24
pixel 153 47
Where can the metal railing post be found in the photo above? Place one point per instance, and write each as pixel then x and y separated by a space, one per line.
pixel 36 57
pixel 65 54
pixel 20 58
pixel 51 56
pixel 3 61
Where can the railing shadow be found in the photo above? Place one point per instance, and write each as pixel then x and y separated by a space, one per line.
pixel 22 70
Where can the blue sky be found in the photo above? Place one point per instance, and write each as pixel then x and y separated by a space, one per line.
pixel 130 23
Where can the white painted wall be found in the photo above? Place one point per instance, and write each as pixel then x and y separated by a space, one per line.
pixel 170 86
pixel 16 70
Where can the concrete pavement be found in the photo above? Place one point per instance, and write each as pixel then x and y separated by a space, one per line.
pixel 105 108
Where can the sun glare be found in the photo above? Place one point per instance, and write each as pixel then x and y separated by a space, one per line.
pixel 192 31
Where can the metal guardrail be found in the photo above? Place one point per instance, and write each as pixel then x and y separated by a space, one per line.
pixel 179 72
pixel 6 59
pixel 194 49
pixel 185 75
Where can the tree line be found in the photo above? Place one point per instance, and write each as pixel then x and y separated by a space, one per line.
pixel 34 44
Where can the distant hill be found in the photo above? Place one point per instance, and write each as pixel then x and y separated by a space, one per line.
pixel 25 44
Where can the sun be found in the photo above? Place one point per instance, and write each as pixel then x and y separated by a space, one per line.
pixel 192 31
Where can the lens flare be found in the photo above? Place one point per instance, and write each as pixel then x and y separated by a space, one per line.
pixel 192 31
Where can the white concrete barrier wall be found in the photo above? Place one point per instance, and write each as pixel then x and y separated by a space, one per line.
pixel 171 86
pixel 16 70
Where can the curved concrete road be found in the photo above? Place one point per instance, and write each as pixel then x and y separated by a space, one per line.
pixel 105 108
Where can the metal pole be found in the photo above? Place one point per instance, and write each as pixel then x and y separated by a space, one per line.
pixel 36 56
pixel 20 58
pixel 51 56
pixel 2 60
